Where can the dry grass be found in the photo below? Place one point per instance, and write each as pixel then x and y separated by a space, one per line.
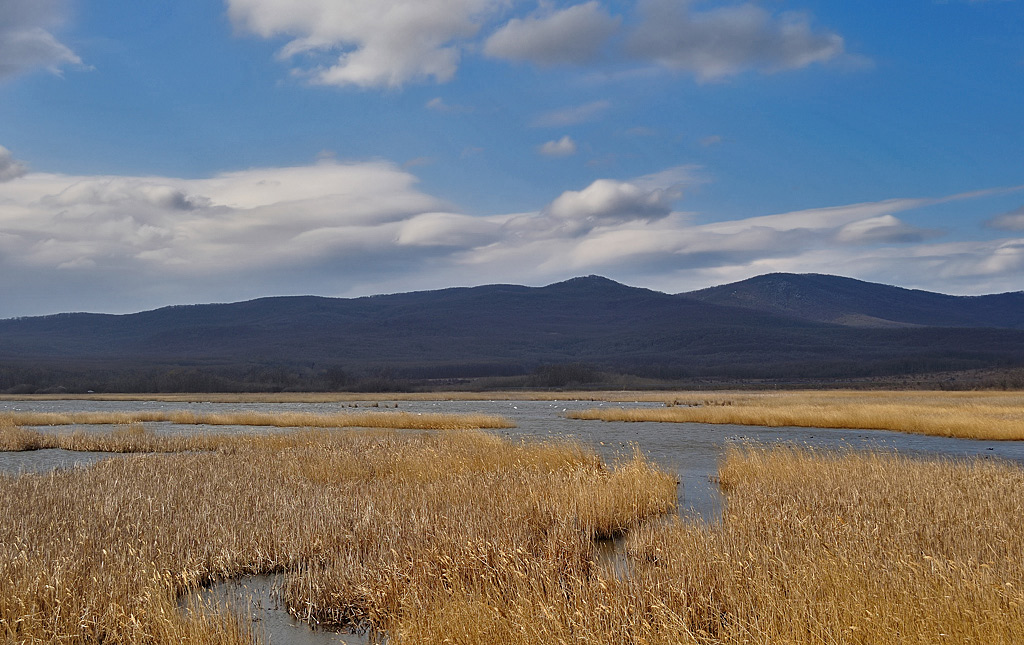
pixel 134 438
pixel 462 537
pixel 378 527
pixel 402 420
pixel 971 415
pixel 853 548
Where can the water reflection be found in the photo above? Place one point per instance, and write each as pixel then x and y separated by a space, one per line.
pixel 42 461
pixel 254 600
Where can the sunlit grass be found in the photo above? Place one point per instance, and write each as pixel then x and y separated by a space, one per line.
pixel 972 415
pixel 374 527
pixel 846 548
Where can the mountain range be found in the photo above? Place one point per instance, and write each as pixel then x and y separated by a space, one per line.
pixel 776 326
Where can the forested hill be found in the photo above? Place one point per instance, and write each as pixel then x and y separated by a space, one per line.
pixel 502 330
pixel 845 301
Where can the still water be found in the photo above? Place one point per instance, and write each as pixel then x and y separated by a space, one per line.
pixel 690 450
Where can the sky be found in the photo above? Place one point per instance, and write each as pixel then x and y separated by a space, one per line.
pixel 190 151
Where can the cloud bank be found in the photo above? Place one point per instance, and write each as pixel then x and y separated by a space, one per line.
pixel 118 243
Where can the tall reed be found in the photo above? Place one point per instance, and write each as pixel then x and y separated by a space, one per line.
pixel 847 548
pixel 356 517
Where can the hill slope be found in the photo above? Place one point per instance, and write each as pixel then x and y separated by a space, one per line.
pixel 490 330
pixel 845 301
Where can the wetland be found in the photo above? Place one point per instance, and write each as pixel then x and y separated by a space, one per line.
pixel 503 534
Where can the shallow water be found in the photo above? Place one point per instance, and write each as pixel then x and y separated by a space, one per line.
pixel 691 450
pixel 254 600
pixel 36 461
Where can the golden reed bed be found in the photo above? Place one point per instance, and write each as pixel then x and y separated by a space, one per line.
pixel 462 537
pixel 375 527
pixel 971 415
pixel 845 548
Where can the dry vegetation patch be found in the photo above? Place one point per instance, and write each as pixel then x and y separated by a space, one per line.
pixel 851 548
pixel 464 537
pixel 971 415
pixel 375 527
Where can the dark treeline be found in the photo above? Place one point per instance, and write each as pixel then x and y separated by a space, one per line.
pixel 926 372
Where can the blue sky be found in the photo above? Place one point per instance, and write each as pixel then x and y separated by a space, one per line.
pixel 161 152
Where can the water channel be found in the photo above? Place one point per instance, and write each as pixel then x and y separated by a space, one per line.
pixel 691 450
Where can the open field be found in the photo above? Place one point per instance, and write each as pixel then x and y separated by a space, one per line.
pixel 398 420
pixel 374 526
pixel 970 415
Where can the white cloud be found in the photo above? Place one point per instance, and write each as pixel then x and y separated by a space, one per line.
pixel 724 41
pixel 369 43
pixel 26 42
pixel 448 230
pixel 572 35
pixel 1010 221
pixel 610 201
pixel 130 243
pixel 10 168
pixel 388 43
pixel 884 229
pixel 254 218
pixel 563 147
pixel 573 115
pixel 438 104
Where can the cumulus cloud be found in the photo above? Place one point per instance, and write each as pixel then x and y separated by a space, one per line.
pixel 610 201
pixel 26 39
pixel 388 43
pixel 1010 221
pixel 563 147
pixel 10 168
pixel 368 43
pixel 724 41
pixel 572 35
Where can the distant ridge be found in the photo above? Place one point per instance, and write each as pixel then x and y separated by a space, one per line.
pixel 846 301
pixel 779 326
